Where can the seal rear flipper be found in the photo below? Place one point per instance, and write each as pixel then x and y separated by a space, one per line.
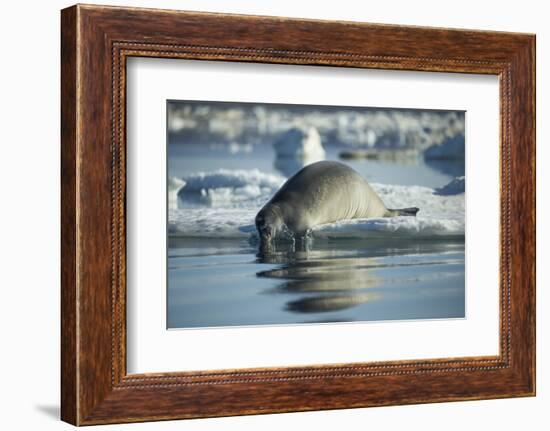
pixel 404 212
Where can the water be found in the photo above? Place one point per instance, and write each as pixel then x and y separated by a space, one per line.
pixel 229 281
pixel 187 158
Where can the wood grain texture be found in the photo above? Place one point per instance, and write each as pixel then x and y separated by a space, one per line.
pixel 96 41
pixel 69 365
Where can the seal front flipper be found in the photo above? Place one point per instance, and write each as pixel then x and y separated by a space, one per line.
pixel 403 212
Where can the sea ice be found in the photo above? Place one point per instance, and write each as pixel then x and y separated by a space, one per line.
pixel 231 200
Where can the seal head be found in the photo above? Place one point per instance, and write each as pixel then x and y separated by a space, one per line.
pixel 269 222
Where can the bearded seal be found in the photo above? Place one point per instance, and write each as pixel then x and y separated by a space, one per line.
pixel 323 192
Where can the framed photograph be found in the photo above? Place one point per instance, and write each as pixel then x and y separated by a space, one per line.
pixel 263 214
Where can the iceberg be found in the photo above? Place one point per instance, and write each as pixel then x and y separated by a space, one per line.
pixel 223 187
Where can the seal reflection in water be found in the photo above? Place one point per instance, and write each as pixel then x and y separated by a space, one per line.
pixel 323 192
pixel 321 281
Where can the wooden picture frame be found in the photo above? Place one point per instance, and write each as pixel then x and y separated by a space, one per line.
pixel 95 43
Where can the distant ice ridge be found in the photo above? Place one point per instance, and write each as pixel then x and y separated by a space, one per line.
pixel 449 149
pixel 300 142
pixel 296 148
pixel 456 186
pixel 345 126
pixel 229 187
pixel 174 187
pixel 231 178
pixel 440 215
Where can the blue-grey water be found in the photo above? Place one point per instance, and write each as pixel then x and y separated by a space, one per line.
pixel 231 282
